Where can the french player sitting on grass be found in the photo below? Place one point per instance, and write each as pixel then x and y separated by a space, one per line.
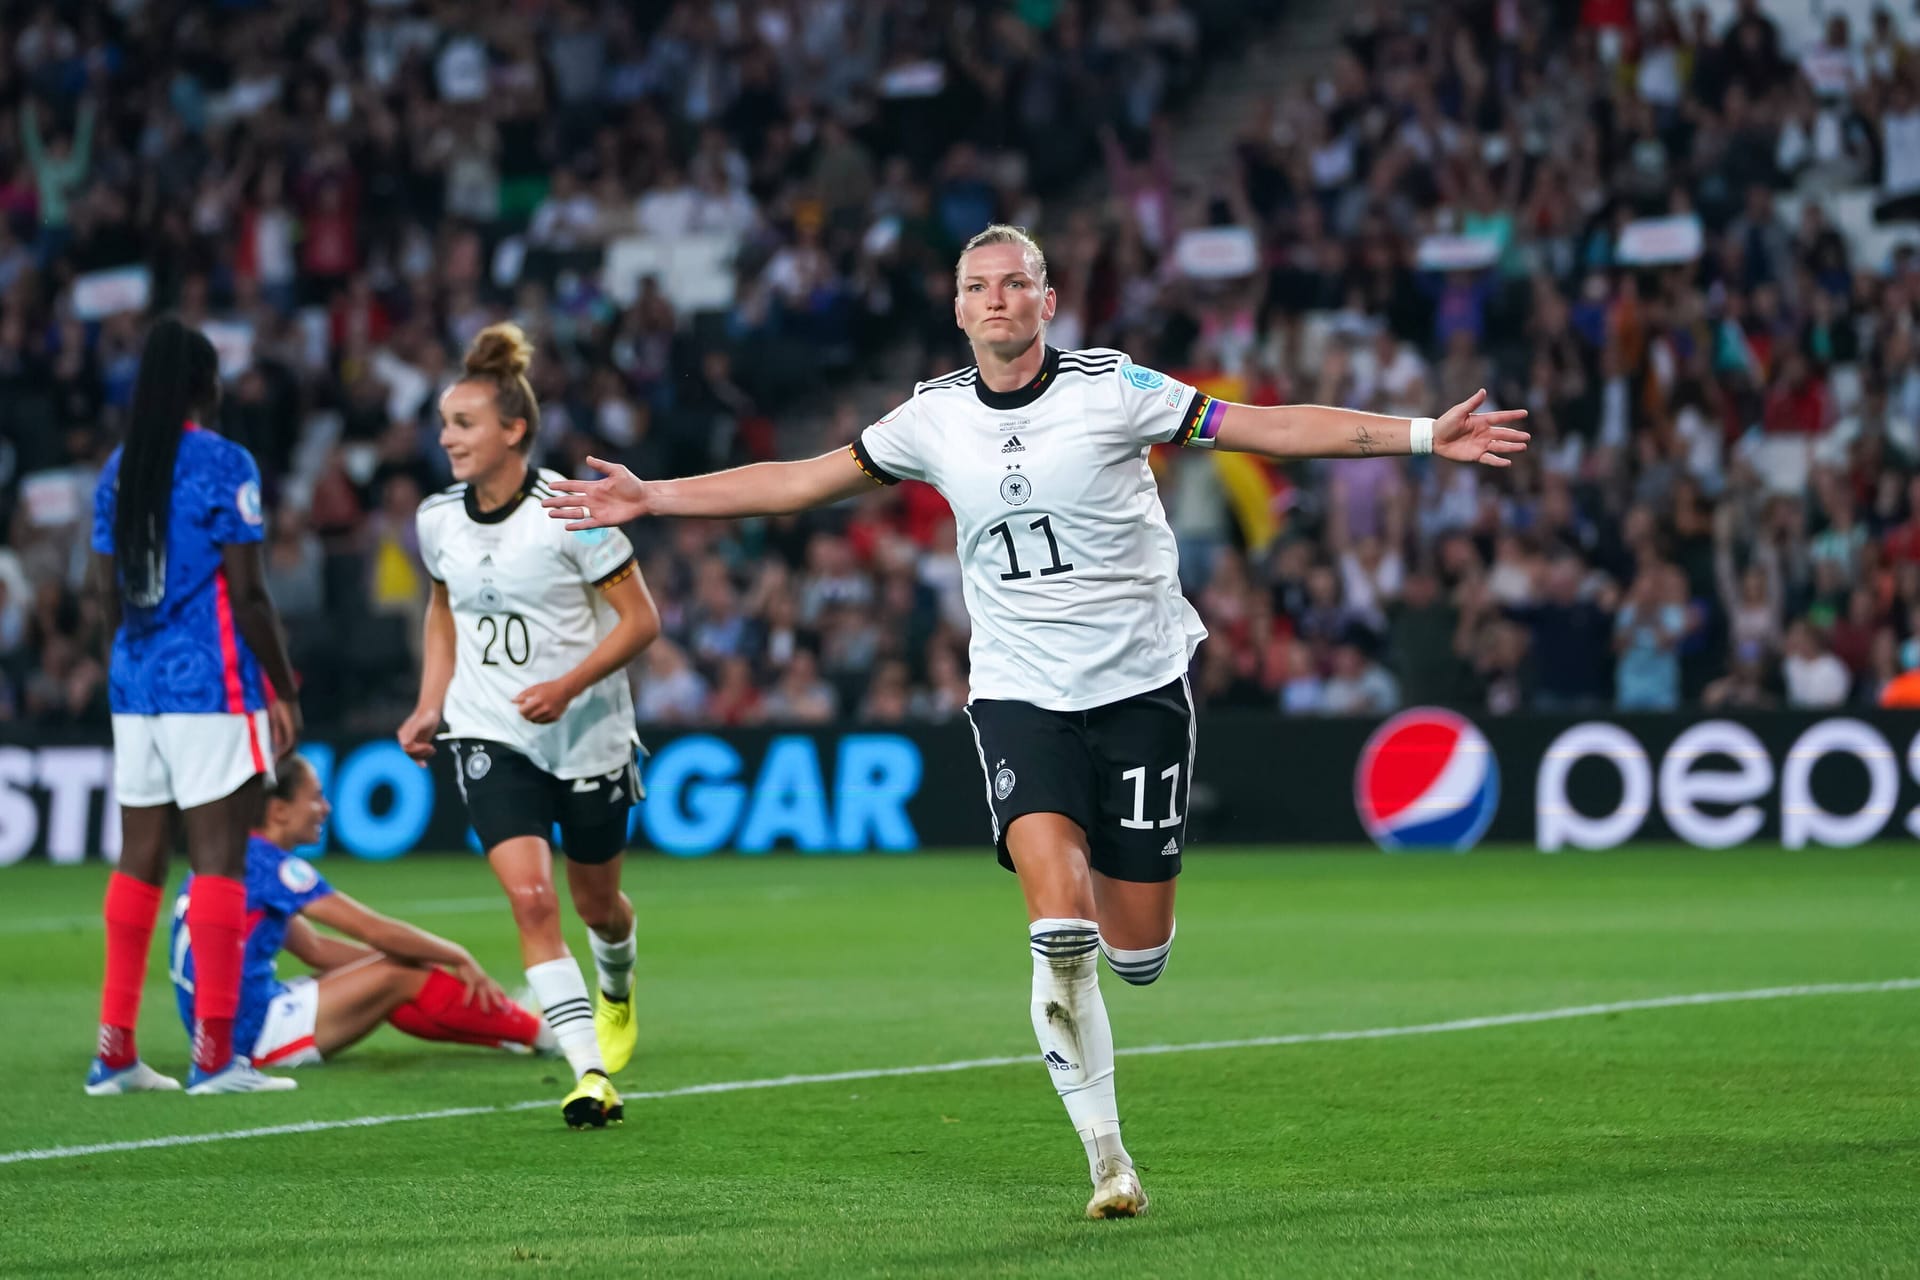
pixel 391 972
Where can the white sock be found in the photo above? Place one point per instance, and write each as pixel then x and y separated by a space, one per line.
pixel 1076 1041
pixel 562 994
pixel 1140 967
pixel 613 962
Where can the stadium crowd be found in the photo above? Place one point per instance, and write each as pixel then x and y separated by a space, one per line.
pixel 1722 505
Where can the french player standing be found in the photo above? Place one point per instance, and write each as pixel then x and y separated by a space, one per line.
pixel 1081 638
pixel 177 568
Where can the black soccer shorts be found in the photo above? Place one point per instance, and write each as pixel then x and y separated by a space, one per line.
pixel 508 796
pixel 1122 772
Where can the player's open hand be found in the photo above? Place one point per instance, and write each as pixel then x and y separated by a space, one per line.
pixel 598 504
pixel 483 992
pixel 1465 436
pixel 543 703
pixel 416 734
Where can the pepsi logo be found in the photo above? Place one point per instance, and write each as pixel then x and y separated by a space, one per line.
pixel 1427 780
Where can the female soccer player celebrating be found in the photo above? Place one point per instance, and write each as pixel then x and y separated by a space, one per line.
pixel 527 637
pixel 177 569
pixel 1081 638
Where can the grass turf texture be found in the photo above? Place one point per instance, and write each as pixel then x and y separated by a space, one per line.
pixel 1768 1138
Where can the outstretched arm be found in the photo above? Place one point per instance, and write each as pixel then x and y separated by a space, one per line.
pixel 762 489
pixel 405 942
pixel 1316 431
pixel 321 951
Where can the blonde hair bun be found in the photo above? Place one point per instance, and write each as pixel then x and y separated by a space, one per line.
pixel 500 351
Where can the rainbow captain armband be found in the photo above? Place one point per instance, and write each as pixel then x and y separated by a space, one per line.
pixel 1201 423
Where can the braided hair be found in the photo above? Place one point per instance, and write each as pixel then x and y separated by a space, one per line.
pixel 179 381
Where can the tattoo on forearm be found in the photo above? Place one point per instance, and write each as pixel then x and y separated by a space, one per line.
pixel 1363 440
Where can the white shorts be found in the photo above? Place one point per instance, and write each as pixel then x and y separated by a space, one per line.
pixel 188 760
pixel 286 1037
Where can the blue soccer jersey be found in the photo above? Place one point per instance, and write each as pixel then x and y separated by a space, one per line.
pixel 184 654
pixel 279 887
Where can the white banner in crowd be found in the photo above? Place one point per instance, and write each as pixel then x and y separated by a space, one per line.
pixel 1217 253
pixel 1654 242
pixel 100 294
pixel 695 270
pixel 233 342
pixel 1457 253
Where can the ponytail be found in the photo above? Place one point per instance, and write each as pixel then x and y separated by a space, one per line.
pixel 179 379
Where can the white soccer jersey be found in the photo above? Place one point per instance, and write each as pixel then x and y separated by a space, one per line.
pixel 527 608
pixel 1070 571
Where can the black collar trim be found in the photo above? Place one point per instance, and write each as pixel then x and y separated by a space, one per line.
pixel 1023 396
pixel 472 499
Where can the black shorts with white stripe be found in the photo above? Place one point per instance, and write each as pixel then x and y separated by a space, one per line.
pixel 1121 771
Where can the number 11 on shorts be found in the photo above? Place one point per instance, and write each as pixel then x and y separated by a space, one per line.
pixel 1139 821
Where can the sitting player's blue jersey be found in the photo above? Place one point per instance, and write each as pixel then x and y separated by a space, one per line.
pixel 184 653
pixel 279 887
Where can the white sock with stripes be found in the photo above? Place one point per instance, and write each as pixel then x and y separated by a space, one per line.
pixel 1138 967
pixel 562 994
pixel 613 962
pixel 1076 1041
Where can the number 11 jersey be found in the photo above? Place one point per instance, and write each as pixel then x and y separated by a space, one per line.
pixel 527 608
pixel 1069 569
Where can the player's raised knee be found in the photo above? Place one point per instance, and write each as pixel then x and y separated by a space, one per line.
pixel 1139 967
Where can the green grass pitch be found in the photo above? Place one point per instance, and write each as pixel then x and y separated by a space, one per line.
pixel 1776 1137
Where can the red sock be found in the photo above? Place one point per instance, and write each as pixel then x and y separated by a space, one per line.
pixel 130 910
pixel 440 1012
pixel 217 922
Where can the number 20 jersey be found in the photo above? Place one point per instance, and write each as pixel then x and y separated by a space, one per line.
pixel 1068 566
pixel 527 608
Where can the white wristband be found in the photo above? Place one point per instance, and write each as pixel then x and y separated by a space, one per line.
pixel 1421 437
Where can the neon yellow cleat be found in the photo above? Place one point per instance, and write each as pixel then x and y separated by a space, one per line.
pixel 593 1104
pixel 615 1029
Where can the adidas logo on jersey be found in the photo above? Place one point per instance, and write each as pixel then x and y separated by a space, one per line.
pixel 1013 445
pixel 1171 849
pixel 1056 1062
pixel 486 561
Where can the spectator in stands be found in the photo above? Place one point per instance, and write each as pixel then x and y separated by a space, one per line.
pixel 1750 415
pixel 671 691
pixel 1814 676
pixel 800 696
pixel 1646 638
pixel 1744 687
pixel 1359 686
pixel 1570 642
pixel 736 699
pixel 1422 637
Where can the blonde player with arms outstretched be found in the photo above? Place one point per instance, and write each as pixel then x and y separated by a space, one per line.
pixel 1081 638
pixel 528 635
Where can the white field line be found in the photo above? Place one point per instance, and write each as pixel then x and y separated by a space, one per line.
pixel 971 1064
